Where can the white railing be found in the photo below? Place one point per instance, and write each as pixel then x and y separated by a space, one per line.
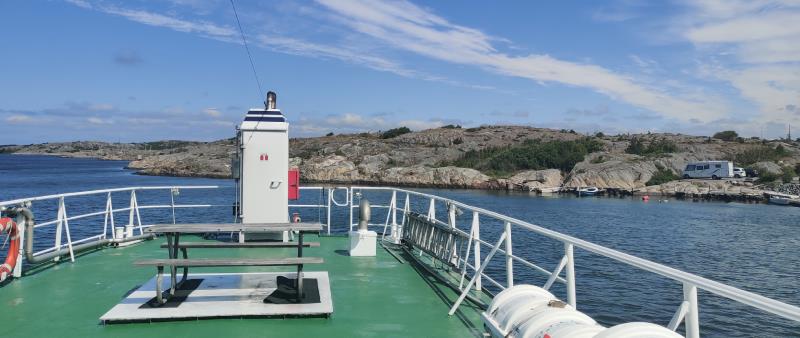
pixel 687 312
pixel 400 202
pixel 63 238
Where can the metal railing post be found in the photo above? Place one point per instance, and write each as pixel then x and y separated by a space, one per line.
pixel 172 192
pixel 509 257
pixel 432 210
pixel 59 226
pixel 692 319
pixel 569 254
pixel 65 218
pixel 105 218
pixel 330 191
pixel 350 197
pixel 132 209
pixel 17 273
pixel 476 226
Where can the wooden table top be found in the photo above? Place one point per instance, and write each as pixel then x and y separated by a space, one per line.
pixel 233 227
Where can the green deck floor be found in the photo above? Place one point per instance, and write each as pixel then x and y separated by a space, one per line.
pixel 372 297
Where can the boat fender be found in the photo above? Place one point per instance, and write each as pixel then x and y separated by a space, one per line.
pixel 8 225
pixel 296 217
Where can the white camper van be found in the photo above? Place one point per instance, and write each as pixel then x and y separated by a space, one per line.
pixel 709 169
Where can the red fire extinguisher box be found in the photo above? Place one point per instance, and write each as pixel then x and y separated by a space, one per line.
pixel 294 184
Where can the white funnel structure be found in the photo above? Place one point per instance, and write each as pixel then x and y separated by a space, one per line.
pixel 263 154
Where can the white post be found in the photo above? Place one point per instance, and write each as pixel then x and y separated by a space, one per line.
pixel 138 216
pixel 350 197
pixel 432 210
pixel 172 204
pixel 66 227
pixel 568 252
pixel 131 213
pixel 18 267
pixel 394 209
pixel 330 191
pixel 451 220
pixel 105 218
pixel 509 259
pixel 406 210
pixel 59 227
pixel 476 227
pixel 692 319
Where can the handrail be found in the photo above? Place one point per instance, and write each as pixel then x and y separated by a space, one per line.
pixel 689 280
pixel 102 191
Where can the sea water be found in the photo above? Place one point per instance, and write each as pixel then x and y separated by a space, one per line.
pixel 750 246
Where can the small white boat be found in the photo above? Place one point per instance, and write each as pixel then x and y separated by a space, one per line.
pixel 779 200
pixel 588 191
pixel 549 190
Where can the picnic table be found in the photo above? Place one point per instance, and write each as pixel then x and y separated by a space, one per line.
pixel 173 233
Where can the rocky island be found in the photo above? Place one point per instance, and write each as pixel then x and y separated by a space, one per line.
pixel 487 157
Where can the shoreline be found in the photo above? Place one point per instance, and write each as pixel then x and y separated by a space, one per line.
pixel 756 196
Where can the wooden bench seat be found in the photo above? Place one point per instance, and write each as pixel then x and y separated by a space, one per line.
pixel 209 262
pixel 210 245
pixel 212 262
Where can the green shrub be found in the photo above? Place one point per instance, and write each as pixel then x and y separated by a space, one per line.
pixel 329 134
pixel 458 141
pixel 656 147
pixel 391 133
pixel 450 126
pixel 759 154
pixel 727 135
pixel 530 155
pixel 663 175
pixel 599 134
pixel 788 174
pixel 470 130
pixel 765 176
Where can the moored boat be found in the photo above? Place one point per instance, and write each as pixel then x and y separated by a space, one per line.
pixel 588 191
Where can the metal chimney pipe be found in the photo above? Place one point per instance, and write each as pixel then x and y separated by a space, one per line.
pixel 272 100
pixel 364 216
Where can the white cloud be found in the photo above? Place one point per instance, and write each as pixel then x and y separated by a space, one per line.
pixel 99 121
pixel 272 41
pixel 213 112
pixel 406 26
pixel 763 38
pixel 19 118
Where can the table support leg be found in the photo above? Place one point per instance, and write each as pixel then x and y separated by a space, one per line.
pixel 159 280
pixel 185 268
pixel 300 267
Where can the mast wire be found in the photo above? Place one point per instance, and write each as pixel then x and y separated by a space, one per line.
pixel 249 55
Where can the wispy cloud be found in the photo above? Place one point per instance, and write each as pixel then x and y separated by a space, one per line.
pixel 273 42
pixel 408 27
pixel 18 118
pixel 752 45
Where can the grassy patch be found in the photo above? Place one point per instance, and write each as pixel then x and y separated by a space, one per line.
pixel 663 175
pixel 654 148
pixel 392 133
pixel 759 154
pixel 530 155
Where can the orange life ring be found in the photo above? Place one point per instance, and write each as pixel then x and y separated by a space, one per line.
pixel 8 225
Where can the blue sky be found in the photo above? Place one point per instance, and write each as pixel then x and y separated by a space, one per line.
pixel 147 70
